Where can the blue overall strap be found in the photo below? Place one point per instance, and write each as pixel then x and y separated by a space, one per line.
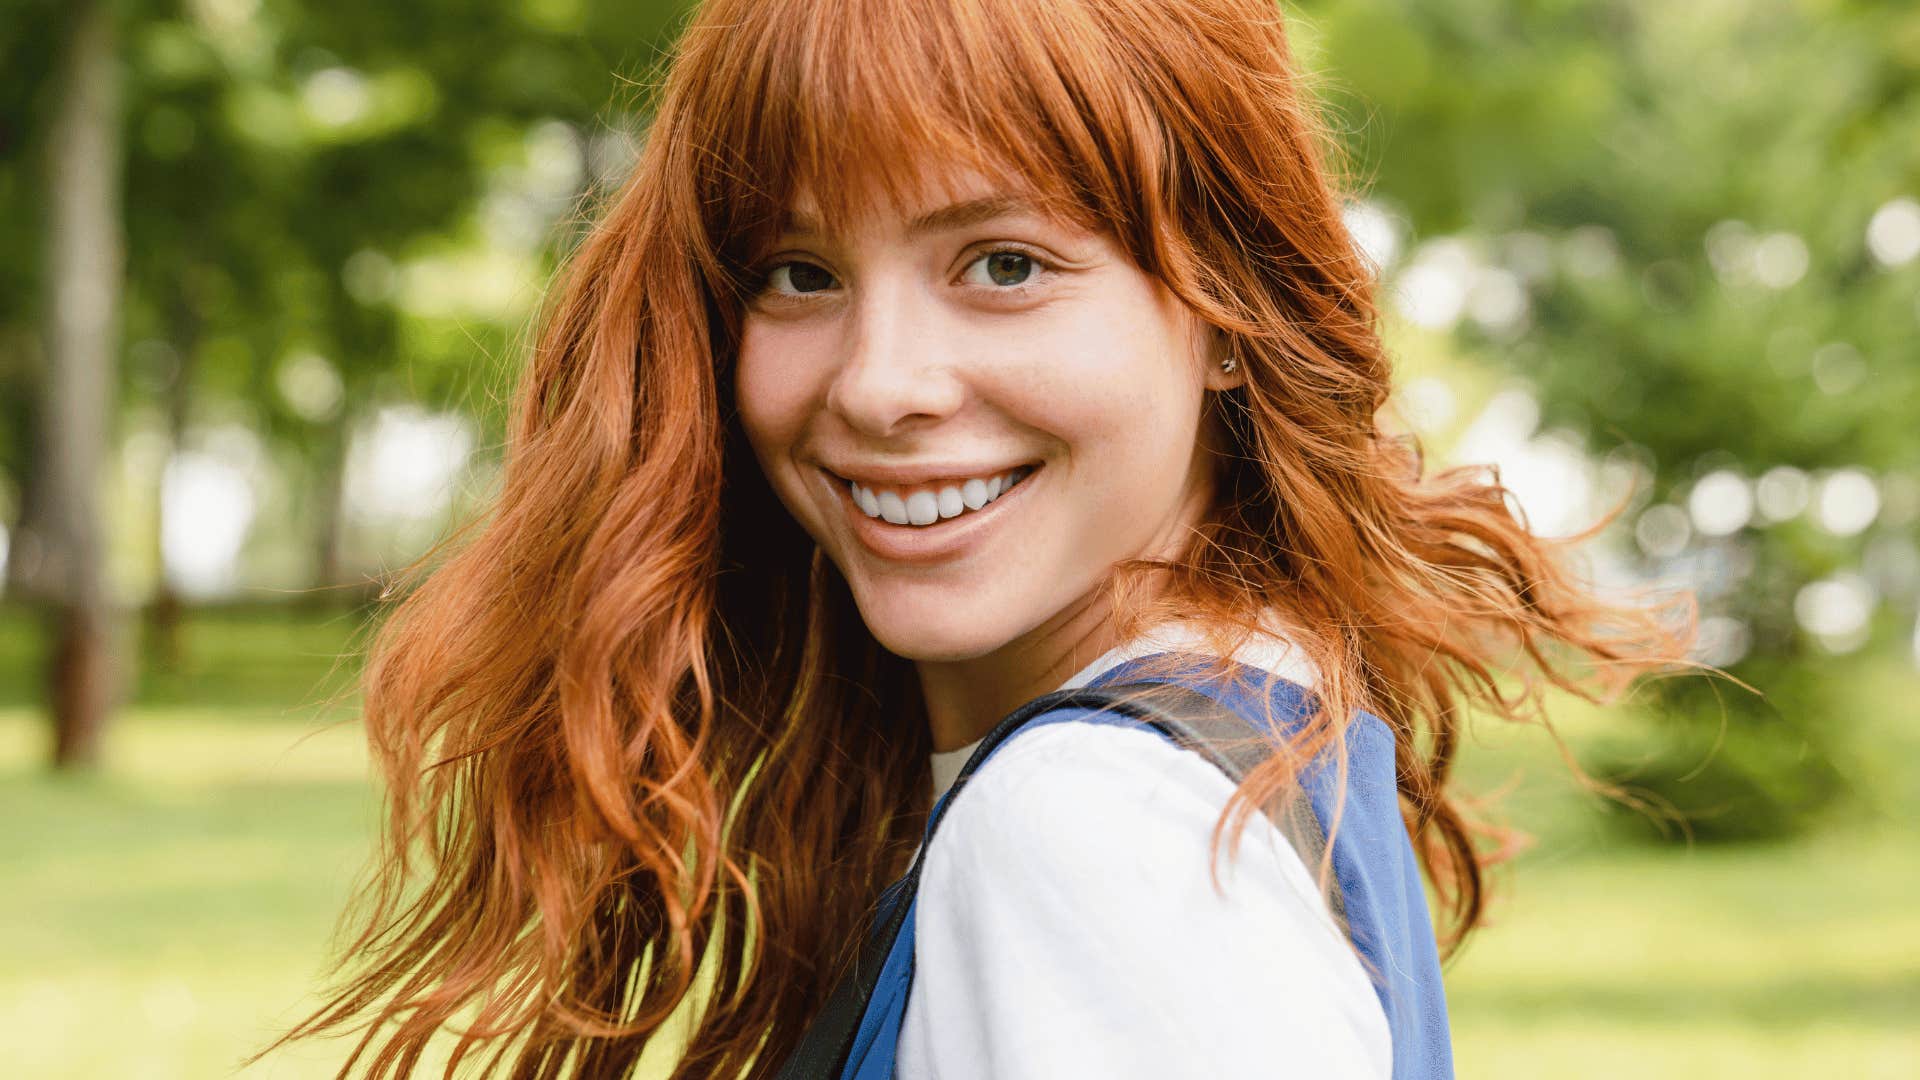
pixel 1180 714
pixel 856 1030
pixel 1374 866
pixel 1377 880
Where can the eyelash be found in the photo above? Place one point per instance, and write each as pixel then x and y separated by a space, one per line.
pixel 1044 270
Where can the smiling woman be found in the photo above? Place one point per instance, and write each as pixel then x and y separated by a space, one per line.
pixel 905 375
pixel 945 361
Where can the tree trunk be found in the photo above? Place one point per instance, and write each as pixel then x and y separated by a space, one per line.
pixel 329 465
pixel 85 252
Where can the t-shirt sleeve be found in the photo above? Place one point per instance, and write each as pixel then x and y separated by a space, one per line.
pixel 1068 926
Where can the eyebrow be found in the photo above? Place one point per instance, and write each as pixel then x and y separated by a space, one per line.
pixel 948 218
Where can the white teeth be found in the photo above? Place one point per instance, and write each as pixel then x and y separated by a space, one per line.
pixel 923 508
pixel 926 507
pixel 950 502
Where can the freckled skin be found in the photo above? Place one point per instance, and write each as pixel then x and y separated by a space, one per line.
pixel 907 350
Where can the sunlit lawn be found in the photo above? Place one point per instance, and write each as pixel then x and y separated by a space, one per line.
pixel 160 919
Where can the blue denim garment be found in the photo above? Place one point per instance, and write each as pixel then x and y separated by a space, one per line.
pixel 1374 868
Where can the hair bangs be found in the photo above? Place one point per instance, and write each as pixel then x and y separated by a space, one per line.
pixel 827 102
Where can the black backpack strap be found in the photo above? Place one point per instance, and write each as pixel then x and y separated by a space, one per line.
pixel 1191 718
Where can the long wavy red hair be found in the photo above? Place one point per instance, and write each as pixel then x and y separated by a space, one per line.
pixel 634 706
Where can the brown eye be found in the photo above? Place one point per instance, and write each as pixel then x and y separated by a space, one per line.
pixel 798 277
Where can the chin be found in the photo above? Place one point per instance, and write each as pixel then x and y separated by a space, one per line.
pixel 922 632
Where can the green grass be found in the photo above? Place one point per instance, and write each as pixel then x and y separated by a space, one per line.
pixel 1787 961
pixel 167 915
pixel 163 915
pixel 1605 958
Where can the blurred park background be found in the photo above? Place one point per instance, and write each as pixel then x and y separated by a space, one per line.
pixel 268 264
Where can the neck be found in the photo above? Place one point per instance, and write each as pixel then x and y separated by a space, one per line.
pixel 965 698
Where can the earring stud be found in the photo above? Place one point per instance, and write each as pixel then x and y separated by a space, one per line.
pixel 1229 364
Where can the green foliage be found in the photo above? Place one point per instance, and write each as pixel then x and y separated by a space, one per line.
pixel 1683 191
pixel 1648 124
pixel 283 161
pixel 23 109
pixel 1721 764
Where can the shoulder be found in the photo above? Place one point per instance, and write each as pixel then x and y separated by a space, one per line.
pixel 1071 786
pixel 1089 811
pixel 1068 893
pixel 1099 802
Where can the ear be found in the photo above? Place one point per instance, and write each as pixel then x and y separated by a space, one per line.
pixel 1218 348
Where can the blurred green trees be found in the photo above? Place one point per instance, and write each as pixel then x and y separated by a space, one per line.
pixel 283 163
pixel 1692 229
pixel 1688 229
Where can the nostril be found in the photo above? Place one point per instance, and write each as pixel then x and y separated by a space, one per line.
pixel 887 397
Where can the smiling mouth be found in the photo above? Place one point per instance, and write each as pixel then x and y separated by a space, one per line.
pixel 931 505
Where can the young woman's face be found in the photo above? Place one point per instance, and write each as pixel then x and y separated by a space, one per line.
pixel 974 409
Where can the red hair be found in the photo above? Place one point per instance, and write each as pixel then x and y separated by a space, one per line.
pixel 637 703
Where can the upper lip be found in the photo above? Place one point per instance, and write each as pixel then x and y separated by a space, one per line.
pixel 911 475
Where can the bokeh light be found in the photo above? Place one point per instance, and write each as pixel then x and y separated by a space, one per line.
pixel 1893 234
pixel 1835 610
pixel 1848 502
pixel 1721 503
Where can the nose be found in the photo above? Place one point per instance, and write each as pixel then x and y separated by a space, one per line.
pixel 897 371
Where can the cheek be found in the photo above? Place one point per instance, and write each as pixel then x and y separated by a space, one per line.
pixel 771 394
pixel 1129 393
pixel 775 401
pixel 1112 380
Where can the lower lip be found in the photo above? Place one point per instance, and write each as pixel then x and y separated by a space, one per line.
pixel 945 539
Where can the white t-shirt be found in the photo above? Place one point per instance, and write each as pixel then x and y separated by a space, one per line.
pixel 1067 925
